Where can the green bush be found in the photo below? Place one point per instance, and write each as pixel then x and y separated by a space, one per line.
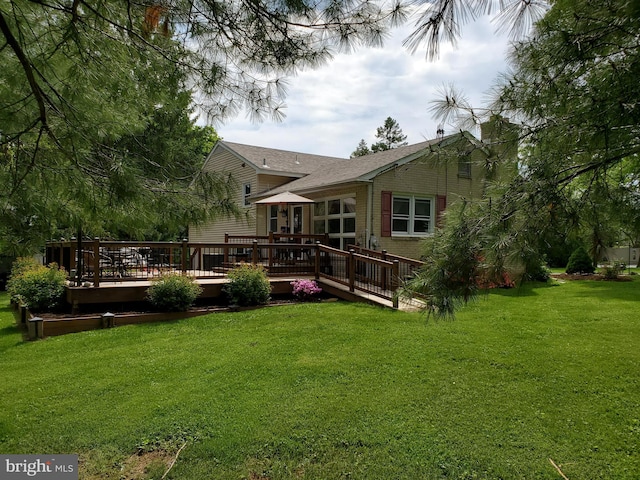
pixel 24 264
pixel 173 292
pixel 537 272
pixel 580 262
pixel 40 288
pixel 248 285
pixel 611 271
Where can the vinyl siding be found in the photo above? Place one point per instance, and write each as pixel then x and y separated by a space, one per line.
pixel 269 182
pixel 227 163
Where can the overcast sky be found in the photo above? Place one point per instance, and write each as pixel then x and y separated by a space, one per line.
pixel 330 109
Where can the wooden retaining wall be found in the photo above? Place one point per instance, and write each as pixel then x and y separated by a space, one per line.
pixel 38 327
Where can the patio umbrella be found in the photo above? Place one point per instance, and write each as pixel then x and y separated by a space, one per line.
pixel 284 198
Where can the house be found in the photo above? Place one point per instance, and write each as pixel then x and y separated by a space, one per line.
pixel 388 200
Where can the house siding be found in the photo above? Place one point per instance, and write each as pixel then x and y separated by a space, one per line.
pixel 269 182
pixel 422 178
pixel 226 163
pixel 445 183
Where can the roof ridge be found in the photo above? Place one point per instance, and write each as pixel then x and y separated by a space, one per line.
pixel 282 150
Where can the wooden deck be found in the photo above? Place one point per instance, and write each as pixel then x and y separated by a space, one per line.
pixel 121 272
pixel 101 300
pixel 135 292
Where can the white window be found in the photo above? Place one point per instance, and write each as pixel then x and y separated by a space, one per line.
pixel 412 216
pixel 246 193
pixel 336 217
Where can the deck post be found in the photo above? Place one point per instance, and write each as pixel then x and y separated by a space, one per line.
pixel 226 250
pixel 395 277
pixel 185 255
pixel 254 252
pixel 73 264
pixel 271 240
pixel 384 271
pixel 96 262
pixel 316 267
pixel 61 255
pixel 351 268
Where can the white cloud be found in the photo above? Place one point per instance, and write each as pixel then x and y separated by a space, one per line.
pixel 330 109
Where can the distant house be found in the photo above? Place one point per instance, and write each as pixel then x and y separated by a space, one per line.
pixel 388 200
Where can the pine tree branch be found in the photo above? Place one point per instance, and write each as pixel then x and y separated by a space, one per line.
pixel 35 88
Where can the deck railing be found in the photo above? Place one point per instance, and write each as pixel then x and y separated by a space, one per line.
pixel 359 272
pixel 407 266
pixel 96 261
pixel 279 238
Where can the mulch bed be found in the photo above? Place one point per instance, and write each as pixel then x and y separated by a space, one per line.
pixel 590 276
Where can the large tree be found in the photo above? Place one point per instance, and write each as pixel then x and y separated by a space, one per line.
pixel 389 136
pixel 139 182
pixel 574 91
pixel 83 81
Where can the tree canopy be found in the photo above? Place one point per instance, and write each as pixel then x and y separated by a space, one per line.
pixel 361 150
pixel 389 136
pixel 573 90
pixel 97 101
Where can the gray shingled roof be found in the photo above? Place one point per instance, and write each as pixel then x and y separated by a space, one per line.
pixel 355 169
pixel 274 160
pixel 365 168
pixel 318 171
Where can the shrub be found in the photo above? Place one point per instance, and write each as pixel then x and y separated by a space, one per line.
pixel 611 271
pixel 173 292
pixel 248 285
pixel 580 262
pixel 537 272
pixel 305 289
pixel 499 278
pixel 40 288
pixel 24 264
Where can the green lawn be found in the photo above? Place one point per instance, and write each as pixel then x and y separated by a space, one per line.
pixel 335 390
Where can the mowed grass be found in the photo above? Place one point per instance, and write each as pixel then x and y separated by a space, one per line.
pixel 335 390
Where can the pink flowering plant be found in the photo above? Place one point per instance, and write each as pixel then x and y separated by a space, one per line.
pixel 305 289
